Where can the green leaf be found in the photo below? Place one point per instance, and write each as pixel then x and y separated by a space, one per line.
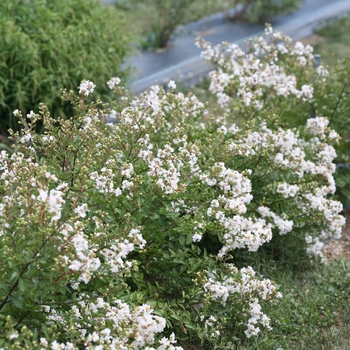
pixel 23 285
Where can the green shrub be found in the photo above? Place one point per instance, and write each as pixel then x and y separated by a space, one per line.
pixel 160 18
pixel 263 10
pixel 48 45
pixel 333 100
pixel 114 233
pixel 279 81
pixel 165 16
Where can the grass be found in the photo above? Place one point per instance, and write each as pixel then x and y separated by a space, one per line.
pixel 314 312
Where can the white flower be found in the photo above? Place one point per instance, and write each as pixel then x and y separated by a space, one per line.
pixel 26 138
pixel 196 237
pixel 57 346
pixel 113 82
pixel 172 84
pixel 81 210
pixel 75 265
pixel 43 342
pixel 86 87
pixel 30 115
pixel 13 336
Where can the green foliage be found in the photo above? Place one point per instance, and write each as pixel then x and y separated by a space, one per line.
pixel 98 219
pixel 155 21
pixel 333 100
pixel 336 28
pixel 314 313
pixel 264 10
pixel 164 17
pixel 48 45
pixel 59 259
pixel 328 91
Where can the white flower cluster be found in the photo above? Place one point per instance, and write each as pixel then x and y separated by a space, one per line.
pixel 81 210
pixel 120 327
pixel 113 82
pixel 54 200
pixel 116 254
pixel 319 126
pixel 104 182
pixel 86 87
pixel 303 157
pixel 322 72
pixel 167 165
pixel 256 316
pixel 304 54
pixel 315 247
pixel 333 223
pixel 228 210
pixel 289 150
pixel 256 75
pixel 287 190
pixel 86 262
pixel 166 168
pixel 284 226
pixel 244 282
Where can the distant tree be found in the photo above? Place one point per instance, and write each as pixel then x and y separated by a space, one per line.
pixel 167 15
pixel 263 10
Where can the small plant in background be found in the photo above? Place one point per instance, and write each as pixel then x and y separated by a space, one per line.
pixel 166 17
pixel 49 44
pixel 263 10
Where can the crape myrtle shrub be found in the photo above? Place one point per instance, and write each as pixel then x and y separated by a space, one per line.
pixel 334 100
pixel 281 82
pixel 104 226
pixel 49 44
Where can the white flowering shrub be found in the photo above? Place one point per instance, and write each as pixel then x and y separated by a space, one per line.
pixel 283 84
pixel 120 235
pixel 272 74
